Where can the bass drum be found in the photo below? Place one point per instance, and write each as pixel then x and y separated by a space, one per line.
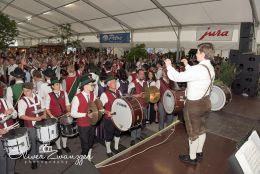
pixel 173 101
pixel 127 112
pixel 220 96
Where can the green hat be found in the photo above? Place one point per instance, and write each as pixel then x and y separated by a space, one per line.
pixel 49 72
pixel 85 80
pixel 18 73
pixel 53 81
pixel 109 78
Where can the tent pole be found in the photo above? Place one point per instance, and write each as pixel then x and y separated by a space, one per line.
pixel 132 39
pixel 178 45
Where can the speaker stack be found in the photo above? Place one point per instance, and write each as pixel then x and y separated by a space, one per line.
pixel 248 63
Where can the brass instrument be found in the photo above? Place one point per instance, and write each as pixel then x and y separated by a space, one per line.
pixel 152 94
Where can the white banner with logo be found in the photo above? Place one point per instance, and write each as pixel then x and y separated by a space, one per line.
pixel 215 33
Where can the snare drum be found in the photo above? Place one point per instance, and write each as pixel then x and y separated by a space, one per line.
pixel 68 126
pixel 16 141
pixel 47 130
pixel 173 101
pixel 220 96
pixel 127 112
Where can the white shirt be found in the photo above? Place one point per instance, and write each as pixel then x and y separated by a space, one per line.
pixel 75 105
pixel 22 105
pixel 48 100
pixel 158 74
pixel 197 78
pixel 152 83
pixel 7 105
pixel 57 71
pixel 44 90
pixel 9 93
pixel 132 85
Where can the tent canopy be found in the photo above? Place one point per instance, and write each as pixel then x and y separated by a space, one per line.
pixel 40 18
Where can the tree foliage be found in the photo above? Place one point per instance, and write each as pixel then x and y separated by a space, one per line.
pixel 8 31
pixel 137 52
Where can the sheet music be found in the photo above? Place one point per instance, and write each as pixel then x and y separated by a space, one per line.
pixel 248 155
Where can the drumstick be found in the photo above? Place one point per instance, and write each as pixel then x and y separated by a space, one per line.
pixel 13 126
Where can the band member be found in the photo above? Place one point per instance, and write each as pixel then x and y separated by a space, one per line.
pixel 101 83
pixel 15 91
pixel 163 84
pixel 11 67
pixel 79 110
pixel 45 89
pixel 107 98
pixel 37 80
pixel 122 82
pixel 57 104
pixel 7 165
pixel 199 79
pixel 137 88
pixel 71 82
pixel 56 68
pixel 27 106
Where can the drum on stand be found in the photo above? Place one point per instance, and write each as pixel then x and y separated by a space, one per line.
pixel 68 126
pixel 220 96
pixel 173 101
pixel 16 141
pixel 47 130
pixel 127 112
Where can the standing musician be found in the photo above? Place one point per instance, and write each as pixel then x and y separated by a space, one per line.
pixel 163 84
pixel 57 104
pixel 27 105
pixel 199 80
pixel 79 110
pixel 137 88
pixel 7 165
pixel 71 82
pixel 122 82
pixel 15 91
pixel 107 98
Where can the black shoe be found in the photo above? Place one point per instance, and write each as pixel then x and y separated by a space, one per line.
pixel 34 165
pixel 59 153
pixel 199 156
pixel 67 149
pixel 186 159
pixel 141 138
pixel 109 154
pixel 116 151
pixel 132 142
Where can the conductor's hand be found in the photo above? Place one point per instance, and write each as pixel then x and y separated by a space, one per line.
pixel 184 61
pixel 168 62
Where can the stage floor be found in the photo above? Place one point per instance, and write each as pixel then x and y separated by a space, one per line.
pixel 164 158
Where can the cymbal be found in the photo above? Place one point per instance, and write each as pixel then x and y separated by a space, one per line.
pixel 152 94
pixel 96 108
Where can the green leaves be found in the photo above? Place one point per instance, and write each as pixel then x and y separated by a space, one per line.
pixel 8 31
pixel 136 52
pixel 228 73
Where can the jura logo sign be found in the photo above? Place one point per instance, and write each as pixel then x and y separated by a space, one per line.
pixel 215 33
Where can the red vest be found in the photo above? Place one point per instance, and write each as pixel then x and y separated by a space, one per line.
pixel 55 109
pixel 111 98
pixel 29 111
pixel 134 76
pixel 83 108
pixel 163 87
pixel 2 110
pixel 139 89
pixel 69 82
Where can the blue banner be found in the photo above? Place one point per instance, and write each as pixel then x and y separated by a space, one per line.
pixel 115 38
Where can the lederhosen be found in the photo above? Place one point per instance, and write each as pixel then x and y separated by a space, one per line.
pixel 86 130
pixel 109 127
pixel 194 113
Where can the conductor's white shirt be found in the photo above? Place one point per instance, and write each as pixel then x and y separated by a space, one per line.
pixel 197 78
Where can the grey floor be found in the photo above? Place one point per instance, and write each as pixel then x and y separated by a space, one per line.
pixel 233 122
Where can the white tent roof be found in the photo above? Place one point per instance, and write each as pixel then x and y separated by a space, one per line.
pixel 101 16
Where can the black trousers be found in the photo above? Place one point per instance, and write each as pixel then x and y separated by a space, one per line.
pixel 110 130
pixel 86 135
pixel 7 165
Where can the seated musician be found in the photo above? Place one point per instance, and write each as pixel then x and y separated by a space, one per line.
pixel 57 104
pixel 107 98
pixel 7 165
pixel 163 84
pixel 79 110
pixel 137 88
pixel 27 106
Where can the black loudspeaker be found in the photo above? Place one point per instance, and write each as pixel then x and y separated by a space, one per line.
pixel 234 56
pixel 245 44
pixel 246 30
pixel 249 64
